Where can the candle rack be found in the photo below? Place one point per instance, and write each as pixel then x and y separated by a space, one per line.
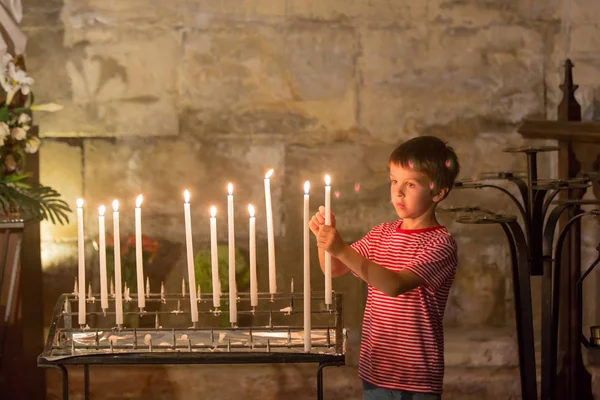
pixel 166 334
pixel 533 252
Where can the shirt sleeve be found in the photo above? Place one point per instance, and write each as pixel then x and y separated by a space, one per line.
pixel 363 246
pixel 436 264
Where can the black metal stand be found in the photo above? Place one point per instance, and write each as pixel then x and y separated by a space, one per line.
pixel 532 254
pixel 522 293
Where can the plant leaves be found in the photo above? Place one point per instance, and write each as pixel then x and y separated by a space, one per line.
pixel 36 202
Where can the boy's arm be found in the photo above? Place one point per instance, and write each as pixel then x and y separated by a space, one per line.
pixel 337 267
pixel 389 282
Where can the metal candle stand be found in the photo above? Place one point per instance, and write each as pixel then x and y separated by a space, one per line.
pixel 533 252
pixel 274 337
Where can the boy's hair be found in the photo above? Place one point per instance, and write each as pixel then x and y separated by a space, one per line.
pixel 430 155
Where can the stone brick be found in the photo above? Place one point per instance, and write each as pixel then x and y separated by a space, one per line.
pixel 581 11
pixel 507 91
pixel 61 168
pixel 115 88
pixel 200 12
pixel 100 14
pixel 478 293
pixel 268 80
pixel 375 11
pixel 467 14
pixel 584 40
pixel 41 13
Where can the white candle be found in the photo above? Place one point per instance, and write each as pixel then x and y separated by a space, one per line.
pixel 118 279
pixel 270 234
pixel 214 258
pixel 81 259
pixel 327 255
pixel 252 247
pixel 190 256
pixel 307 321
pixel 231 245
pixel 102 245
pixel 139 261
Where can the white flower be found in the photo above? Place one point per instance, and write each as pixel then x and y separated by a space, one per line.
pixel 50 107
pixel 32 145
pixel 4 130
pixel 24 119
pixel 18 133
pixel 20 78
pixel 16 79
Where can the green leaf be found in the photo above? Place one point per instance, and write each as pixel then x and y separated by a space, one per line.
pixel 4 114
pixel 17 177
pixel 36 202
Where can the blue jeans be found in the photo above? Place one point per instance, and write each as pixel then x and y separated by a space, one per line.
pixel 372 392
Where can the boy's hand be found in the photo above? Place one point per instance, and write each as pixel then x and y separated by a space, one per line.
pixel 318 220
pixel 330 240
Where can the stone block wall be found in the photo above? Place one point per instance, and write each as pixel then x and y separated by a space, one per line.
pixel 161 96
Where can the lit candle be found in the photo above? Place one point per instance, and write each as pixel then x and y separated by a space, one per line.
pixel 231 244
pixel 190 256
pixel 81 258
pixel 102 245
pixel 270 234
pixel 118 279
pixel 252 247
pixel 307 324
pixel 214 258
pixel 139 261
pixel 327 255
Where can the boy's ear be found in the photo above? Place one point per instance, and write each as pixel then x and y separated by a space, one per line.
pixel 439 196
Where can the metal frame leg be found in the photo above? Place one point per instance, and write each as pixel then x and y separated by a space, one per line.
pixel 320 376
pixel 523 309
pixel 65 378
pixel 86 382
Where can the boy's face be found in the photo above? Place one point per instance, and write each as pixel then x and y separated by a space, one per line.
pixel 411 193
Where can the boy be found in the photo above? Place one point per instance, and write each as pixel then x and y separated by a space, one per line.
pixel 409 266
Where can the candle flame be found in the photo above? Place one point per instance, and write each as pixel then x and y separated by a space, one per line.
pixel 269 173
pixel 138 201
pixel 251 210
pixel 230 189
pixel 213 211
pixel 79 203
pixel 327 180
pixel 306 187
pixel 186 196
pixel 115 205
pixel 101 211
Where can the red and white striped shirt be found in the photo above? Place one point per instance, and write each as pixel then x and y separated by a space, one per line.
pixel 402 344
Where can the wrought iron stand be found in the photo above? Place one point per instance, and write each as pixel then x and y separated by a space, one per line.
pixel 533 252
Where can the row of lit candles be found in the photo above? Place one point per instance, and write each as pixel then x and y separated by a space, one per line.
pixel 214 260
